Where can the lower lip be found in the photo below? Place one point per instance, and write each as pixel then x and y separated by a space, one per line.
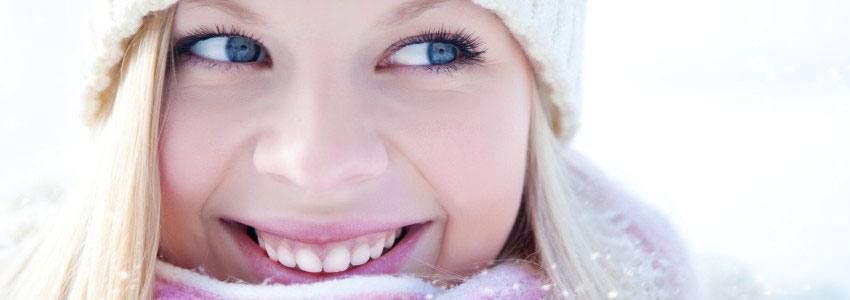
pixel 272 271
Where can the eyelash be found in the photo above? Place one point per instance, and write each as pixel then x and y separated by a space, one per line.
pixel 468 45
pixel 181 54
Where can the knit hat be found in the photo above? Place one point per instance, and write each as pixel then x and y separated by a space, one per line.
pixel 549 31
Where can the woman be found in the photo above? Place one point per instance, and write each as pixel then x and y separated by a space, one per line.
pixel 303 143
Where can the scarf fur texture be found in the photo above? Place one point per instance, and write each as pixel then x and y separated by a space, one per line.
pixel 503 281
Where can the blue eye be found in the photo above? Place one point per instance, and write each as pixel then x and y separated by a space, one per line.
pixel 435 50
pixel 236 49
pixel 428 53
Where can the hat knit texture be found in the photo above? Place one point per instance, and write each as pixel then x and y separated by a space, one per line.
pixel 549 31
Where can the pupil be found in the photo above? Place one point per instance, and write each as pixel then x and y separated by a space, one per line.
pixel 241 49
pixel 441 53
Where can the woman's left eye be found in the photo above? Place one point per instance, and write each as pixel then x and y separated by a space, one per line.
pixel 235 49
pixel 428 53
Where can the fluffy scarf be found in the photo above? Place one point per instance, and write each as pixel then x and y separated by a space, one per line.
pixel 503 281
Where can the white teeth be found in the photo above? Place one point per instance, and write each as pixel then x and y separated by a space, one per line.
pixel 285 256
pixel 390 239
pixel 270 251
pixel 337 260
pixel 336 257
pixel 377 248
pixel 307 260
pixel 360 255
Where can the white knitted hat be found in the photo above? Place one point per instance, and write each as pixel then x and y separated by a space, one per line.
pixel 550 31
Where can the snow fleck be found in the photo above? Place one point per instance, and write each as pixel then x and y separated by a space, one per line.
pixel 515 286
pixel 612 294
pixel 579 288
pixel 807 287
pixel 10 124
pixel 489 292
pixel 553 266
pixel 546 287
pixel 757 64
pixel 772 77
pixel 788 70
pixel 594 255
pixel 833 73
pixel 565 293
pixel 429 296
pixel 123 275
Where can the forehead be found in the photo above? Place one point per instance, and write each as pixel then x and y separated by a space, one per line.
pixel 392 11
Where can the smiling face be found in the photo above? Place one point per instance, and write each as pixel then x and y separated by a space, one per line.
pixel 305 140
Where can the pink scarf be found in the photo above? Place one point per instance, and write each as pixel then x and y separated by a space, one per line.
pixel 504 281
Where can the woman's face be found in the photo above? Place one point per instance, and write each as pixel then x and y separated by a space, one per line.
pixel 299 136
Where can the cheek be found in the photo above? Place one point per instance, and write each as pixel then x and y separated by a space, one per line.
pixel 472 150
pixel 191 153
pixel 204 128
pixel 194 150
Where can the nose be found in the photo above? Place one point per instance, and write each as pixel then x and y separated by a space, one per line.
pixel 317 139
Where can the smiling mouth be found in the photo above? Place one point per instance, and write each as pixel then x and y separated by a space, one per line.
pixel 333 257
pixel 330 251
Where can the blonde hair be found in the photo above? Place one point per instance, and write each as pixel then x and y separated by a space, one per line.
pixel 106 247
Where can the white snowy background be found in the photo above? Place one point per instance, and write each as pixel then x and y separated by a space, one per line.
pixel 732 117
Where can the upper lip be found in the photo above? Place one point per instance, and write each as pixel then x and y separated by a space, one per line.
pixel 320 233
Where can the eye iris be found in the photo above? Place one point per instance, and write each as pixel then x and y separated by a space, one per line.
pixel 441 53
pixel 241 49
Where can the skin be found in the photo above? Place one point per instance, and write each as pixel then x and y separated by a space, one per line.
pixel 320 134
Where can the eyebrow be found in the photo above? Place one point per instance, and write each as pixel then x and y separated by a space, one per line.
pixel 231 8
pixel 407 11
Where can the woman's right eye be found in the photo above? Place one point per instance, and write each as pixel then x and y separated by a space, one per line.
pixel 235 49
